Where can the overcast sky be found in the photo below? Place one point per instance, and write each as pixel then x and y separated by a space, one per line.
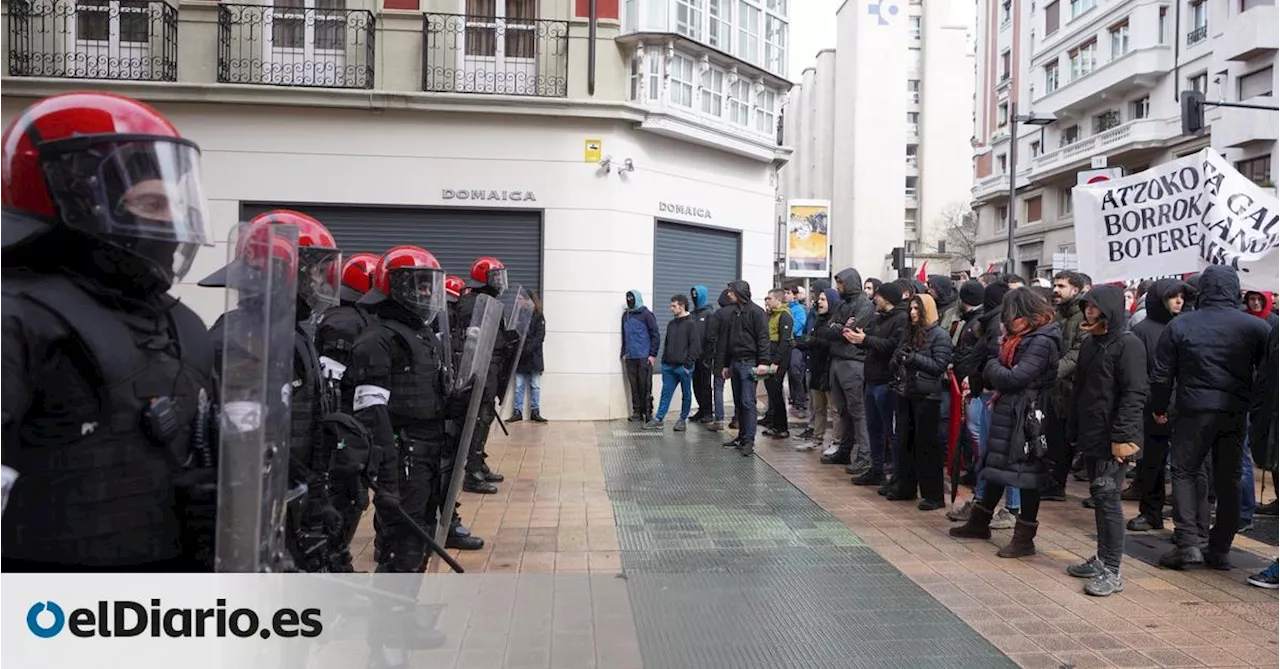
pixel 813 28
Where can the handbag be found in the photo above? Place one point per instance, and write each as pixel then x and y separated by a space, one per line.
pixel 1031 417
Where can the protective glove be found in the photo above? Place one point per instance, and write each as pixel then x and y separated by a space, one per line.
pixel 197 499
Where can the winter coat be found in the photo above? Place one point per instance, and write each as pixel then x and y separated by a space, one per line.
pixel 947 300
pixel 819 350
pixel 884 336
pixel 1068 318
pixel 988 334
pixel 966 356
pixel 1263 419
pixel 640 337
pixel 1268 303
pixel 781 337
pixel 922 369
pixel 811 318
pixel 531 354
pixel 1110 386
pixel 799 316
pixel 1212 352
pixel 716 328
pixel 1035 368
pixel 704 327
pixel 682 347
pixel 1149 330
pixel 746 333
pixel 855 311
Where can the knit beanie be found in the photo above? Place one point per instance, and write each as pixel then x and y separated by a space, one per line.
pixel 972 293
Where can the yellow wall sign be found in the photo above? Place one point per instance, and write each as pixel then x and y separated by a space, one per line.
pixel 593 150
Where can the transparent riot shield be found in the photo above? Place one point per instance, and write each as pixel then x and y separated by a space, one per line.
pixel 517 314
pixel 444 331
pixel 472 370
pixel 257 370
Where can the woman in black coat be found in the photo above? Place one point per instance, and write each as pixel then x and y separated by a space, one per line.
pixel 1020 374
pixel 819 352
pixel 529 368
pixel 919 366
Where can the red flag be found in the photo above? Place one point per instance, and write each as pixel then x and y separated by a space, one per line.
pixel 923 275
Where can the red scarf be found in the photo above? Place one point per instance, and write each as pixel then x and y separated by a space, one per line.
pixel 1020 328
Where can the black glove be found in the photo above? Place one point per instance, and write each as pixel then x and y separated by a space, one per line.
pixel 458 401
pixel 197 499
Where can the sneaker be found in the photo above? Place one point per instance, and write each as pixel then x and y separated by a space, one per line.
pixel 716 426
pixel 653 424
pixel 1144 524
pixel 830 449
pixel 806 445
pixel 1245 526
pixel 807 434
pixel 707 419
pixel 869 478
pixel 1106 583
pixel 733 423
pixel 747 449
pixel 1088 569
pixel 635 418
pixel 931 505
pixel 1266 578
pixel 1004 520
pixel 1268 509
pixel 960 513
pixel 680 426
pixel 1130 494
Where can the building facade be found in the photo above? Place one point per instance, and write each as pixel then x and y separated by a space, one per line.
pixel 643 159
pixel 1090 78
pixel 887 143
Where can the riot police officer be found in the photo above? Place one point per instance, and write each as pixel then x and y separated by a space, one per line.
pixel 108 380
pixel 491 274
pixel 396 369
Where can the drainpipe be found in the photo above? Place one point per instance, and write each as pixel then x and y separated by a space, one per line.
pixel 592 16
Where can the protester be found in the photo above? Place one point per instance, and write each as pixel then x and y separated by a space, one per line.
pixel 1211 355
pixel 1088 282
pixel 781 340
pixel 1068 315
pixel 1021 375
pixel 743 355
pixel 640 339
pixel 870 286
pixel 529 368
pixel 847 372
pixel 945 296
pixel 1014 281
pixel 819 352
pixel 988 278
pixel 715 333
pixel 880 339
pixel 703 369
pixel 1262 434
pixel 1261 304
pixel 920 367
pixel 1105 424
pixel 679 352
pixel 796 368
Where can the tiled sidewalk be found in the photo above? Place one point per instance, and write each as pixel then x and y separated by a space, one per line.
pixel 1030 608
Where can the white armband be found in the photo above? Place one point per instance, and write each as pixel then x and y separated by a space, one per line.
pixel 370 396
pixel 331 369
pixel 8 476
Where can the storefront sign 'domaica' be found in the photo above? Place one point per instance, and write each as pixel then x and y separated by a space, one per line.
pixel 482 195
pixel 1178 217
pixel 684 210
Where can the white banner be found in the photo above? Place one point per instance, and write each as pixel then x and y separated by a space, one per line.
pixel 1178 217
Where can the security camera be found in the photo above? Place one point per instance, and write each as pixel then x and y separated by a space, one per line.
pixel 606 164
pixel 628 166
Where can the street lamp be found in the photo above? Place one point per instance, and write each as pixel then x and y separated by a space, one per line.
pixel 1014 120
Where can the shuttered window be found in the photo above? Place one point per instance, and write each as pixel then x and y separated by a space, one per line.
pixel 1033 209
pixel 685 256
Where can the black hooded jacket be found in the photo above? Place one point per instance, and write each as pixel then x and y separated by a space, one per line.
pixel 966 357
pixel 746 332
pixel 987 337
pixel 716 327
pixel 1109 393
pixel 947 300
pixel 884 336
pixel 1149 330
pixel 1210 353
pixel 855 311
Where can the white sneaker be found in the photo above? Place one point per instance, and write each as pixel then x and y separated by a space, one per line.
pixel 831 449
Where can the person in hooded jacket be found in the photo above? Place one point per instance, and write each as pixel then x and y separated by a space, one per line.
pixel 882 336
pixel 847 367
pixel 1068 286
pixel 796 367
pixel 819 354
pixel 1105 425
pixel 1020 374
pixel 529 367
pixel 703 366
pixel 1262 435
pixel 870 287
pixel 943 291
pixel 1261 304
pixel 1164 301
pixel 963 330
pixel 640 340
pixel 920 368
pixel 1211 354
pixel 715 332
pixel 744 353
pixel 781 341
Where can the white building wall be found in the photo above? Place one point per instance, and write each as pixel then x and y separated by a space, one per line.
pixel 945 130
pixel 824 125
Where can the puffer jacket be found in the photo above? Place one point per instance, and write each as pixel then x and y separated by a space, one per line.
pixel 1111 381
pixel 1211 353
pixel 1035 368
pixel 1068 318
pixel 1149 330
pixel 855 311
pixel 819 350
pixel 922 368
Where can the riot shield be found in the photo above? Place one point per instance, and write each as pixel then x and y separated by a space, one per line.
pixel 257 371
pixel 444 331
pixel 517 314
pixel 473 370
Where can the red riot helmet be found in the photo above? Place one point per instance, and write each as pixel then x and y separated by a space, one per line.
pixel 259 248
pixel 357 271
pixel 412 278
pixel 453 287
pixel 490 272
pixel 114 169
pixel 319 260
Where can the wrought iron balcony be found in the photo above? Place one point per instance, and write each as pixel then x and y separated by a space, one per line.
pixel 495 56
pixel 291 44
pixel 1196 36
pixel 93 39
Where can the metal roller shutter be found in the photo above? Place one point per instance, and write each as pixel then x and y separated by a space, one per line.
pixel 687 255
pixel 455 236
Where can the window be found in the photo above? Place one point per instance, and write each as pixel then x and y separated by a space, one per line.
pixel 1002 164
pixel 913 123
pixel 1064 201
pixel 914 59
pixel 1162 24
pixel 1083 59
pixel 778 6
pixel 1256 83
pixel 913 91
pixel 766 111
pixel 1199 82
pixel 1032 209
pixel 1035 148
pixel 1002 217
pixel 689 18
pixel 912 154
pixel 326 31
pixel 1051 77
pixel 1246 5
pixel 775 44
pixel 1119 40
pixel 740 103
pixel 1257 170
pixel 1006 64
pixel 1106 121
pixel 713 92
pixel 682 81
pixel 914 28
pixel 1006 11
pixel 910 190
pixel 1052 15
pixel 720 34
pixel 942 246
pixel 1002 114
pixel 1199 22
pixel 749 32
pixel 1070 136
pixel 95 20
pixel 1079 7
pixel 1141 108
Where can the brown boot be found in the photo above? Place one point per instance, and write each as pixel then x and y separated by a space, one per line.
pixel 978 526
pixel 1023 544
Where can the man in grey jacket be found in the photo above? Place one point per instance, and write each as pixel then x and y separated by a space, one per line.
pixel 847 373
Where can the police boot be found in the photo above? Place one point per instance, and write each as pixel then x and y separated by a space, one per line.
pixel 461 539
pixel 475 482
pixel 490 475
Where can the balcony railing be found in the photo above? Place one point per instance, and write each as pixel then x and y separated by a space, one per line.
pixel 1196 36
pixel 133 40
pixel 295 46
pixel 495 56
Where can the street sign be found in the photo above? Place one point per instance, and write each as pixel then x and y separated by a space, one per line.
pixel 1084 177
pixel 1098 162
pixel 592 150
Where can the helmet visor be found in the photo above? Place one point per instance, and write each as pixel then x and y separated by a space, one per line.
pixel 497 280
pixel 319 277
pixel 418 289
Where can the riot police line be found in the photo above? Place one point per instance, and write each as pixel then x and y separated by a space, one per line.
pixel 135 440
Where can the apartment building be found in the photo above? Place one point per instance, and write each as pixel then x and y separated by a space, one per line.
pixel 635 148
pixel 880 126
pixel 1077 79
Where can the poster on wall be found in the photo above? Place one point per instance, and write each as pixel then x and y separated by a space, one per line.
pixel 1178 217
pixel 808 235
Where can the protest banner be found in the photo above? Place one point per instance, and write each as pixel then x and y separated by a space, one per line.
pixel 1178 217
pixel 807 238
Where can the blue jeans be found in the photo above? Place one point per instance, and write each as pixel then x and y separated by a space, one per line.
pixel 882 406
pixel 534 381
pixel 717 395
pixel 671 375
pixel 742 376
pixel 979 420
pixel 1248 494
